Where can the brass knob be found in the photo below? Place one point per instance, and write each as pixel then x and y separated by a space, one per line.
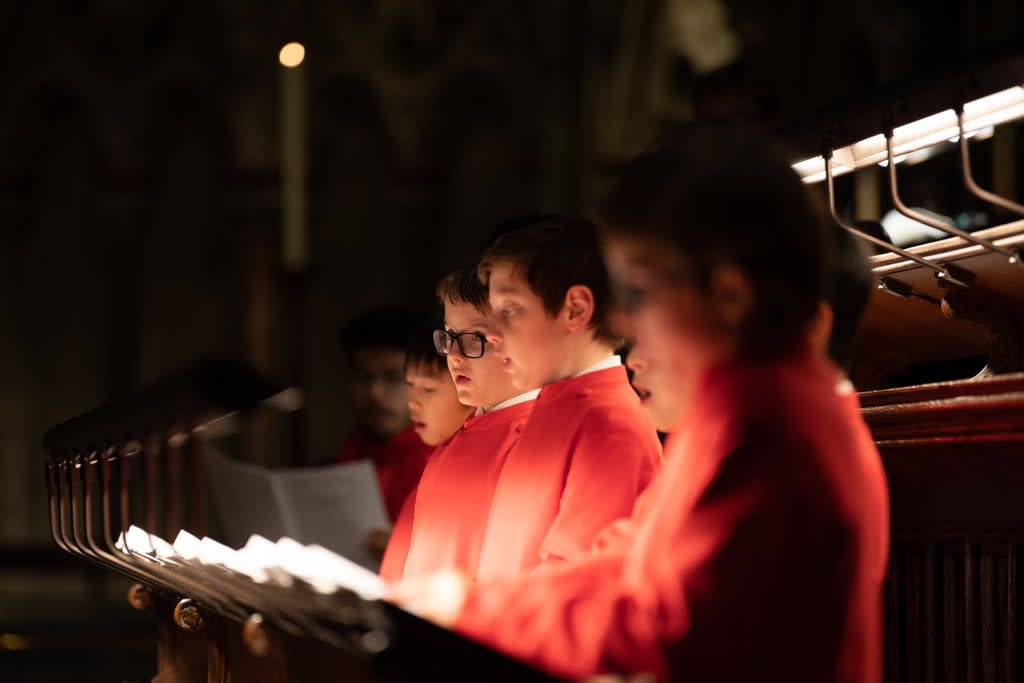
pixel 139 596
pixel 187 615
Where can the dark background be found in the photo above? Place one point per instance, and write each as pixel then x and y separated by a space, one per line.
pixel 140 191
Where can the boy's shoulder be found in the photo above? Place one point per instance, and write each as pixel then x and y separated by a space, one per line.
pixel 607 384
pixel 616 413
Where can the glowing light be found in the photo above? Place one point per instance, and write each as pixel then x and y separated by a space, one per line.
pixel 292 54
pixel 979 115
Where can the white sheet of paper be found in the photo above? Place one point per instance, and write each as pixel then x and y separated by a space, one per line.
pixel 335 507
pixel 263 560
pixel 186 545
pixel 245 499
pixel 348 574
pixel 327 571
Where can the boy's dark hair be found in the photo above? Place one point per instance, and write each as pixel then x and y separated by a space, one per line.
pixel 722 194
pixel 393 328
pixel 464 287
pixel 848 294
pixel 510 225
pixel 421 354
pixel 384 327
pixel 555 253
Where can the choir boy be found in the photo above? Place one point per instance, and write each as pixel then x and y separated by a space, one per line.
pixel 446 514
pixel 588 448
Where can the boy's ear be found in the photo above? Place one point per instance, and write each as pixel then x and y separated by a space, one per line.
pixel 732 294
pixel 578 307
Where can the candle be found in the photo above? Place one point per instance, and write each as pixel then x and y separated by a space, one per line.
pixel 295 233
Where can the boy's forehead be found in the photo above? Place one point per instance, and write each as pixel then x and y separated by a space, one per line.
pixel 462 314
pixel 507 278
pixel 631 254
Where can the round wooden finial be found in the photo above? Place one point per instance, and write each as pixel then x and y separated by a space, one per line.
pixel 139 596
pixel 255 636
pixel 187 615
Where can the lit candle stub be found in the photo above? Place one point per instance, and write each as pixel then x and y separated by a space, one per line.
pixel 294 231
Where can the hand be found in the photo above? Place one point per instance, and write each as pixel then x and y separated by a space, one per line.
pixel 376 542
pixel 438 597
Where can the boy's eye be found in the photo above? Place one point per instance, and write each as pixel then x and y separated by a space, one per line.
pixel 628 297
pixel 429 390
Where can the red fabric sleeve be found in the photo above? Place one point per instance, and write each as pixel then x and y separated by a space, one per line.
pixel 620 534
pixel 393 564
pixel 612 463
pixel 541 618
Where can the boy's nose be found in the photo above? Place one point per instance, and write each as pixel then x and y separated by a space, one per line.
pixel 636 362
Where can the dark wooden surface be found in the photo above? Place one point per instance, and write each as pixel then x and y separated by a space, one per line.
pixel 954 457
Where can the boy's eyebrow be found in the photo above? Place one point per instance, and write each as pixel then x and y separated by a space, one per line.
pixel 474 323
pixel 506 289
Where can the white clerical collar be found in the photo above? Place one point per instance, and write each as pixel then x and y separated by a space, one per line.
pixel 514 401
pixel 612 361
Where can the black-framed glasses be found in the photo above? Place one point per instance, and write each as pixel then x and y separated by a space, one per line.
pixel 471 344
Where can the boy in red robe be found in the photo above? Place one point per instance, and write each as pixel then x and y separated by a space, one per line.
pixel 759 551
pixel 446 514
pixel 435 408
pixel 588 448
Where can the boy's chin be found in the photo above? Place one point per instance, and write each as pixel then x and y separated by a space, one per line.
pixel 519 381
pixel 664 418
pixel 430 439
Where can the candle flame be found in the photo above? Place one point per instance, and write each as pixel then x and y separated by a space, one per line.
pixel 292 54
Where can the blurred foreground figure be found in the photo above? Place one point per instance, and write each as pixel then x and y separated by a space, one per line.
pixel 758 552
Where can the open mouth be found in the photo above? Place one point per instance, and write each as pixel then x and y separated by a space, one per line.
pixel 461 380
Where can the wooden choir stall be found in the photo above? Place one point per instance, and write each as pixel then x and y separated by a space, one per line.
pixel 125 477
pixel 952 449
pixel 953 452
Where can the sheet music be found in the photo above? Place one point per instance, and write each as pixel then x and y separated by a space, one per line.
pixel 334 507
pixel 262 561
pixel 245 498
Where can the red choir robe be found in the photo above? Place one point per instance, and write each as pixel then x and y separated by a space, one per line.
pixel 757 554
pixel 399 461
pixel 442 523
pixel 587 451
